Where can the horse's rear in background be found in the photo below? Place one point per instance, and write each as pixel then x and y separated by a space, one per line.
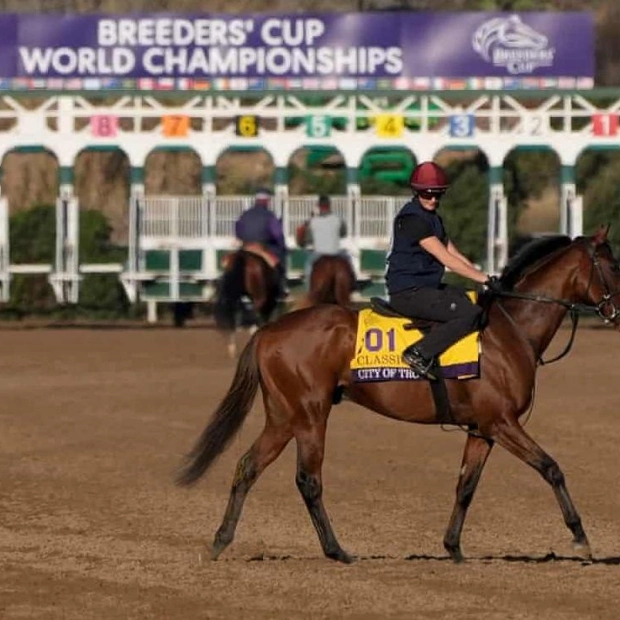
pixel 332 280
pixel 247 293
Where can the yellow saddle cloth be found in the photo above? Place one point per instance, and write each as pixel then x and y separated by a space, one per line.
pixel 381 340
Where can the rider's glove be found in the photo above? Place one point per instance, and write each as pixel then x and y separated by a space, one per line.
pixel 494 284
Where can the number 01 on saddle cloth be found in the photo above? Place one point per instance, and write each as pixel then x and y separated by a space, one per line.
pixel 381 340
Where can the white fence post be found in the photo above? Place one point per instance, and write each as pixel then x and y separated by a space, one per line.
pixel 575 214
pixel 497 232
pixel 5 274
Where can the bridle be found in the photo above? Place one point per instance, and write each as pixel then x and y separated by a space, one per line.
pixel 606 309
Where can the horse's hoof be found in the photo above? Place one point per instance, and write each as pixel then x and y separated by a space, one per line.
pixel 583 550
pixel 216 550
pixel 342 556
pixel 456 555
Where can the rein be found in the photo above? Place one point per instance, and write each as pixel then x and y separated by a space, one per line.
pixel 574 310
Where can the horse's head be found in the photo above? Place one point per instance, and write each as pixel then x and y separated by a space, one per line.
pixel 599 276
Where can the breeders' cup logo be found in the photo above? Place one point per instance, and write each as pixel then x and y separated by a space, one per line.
pixel 508 42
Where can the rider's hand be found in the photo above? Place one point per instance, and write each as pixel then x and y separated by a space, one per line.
pixel 494 284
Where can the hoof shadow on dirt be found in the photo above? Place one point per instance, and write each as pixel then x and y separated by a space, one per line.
pixel 484 559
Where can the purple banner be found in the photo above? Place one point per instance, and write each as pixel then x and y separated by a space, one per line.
pixel 363 45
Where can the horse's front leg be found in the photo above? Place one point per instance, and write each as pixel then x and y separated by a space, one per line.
pixel 511 436
pixel 477 450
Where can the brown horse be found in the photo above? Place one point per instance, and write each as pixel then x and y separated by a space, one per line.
pixel 332 281
pixel 302 360
pixel 247 293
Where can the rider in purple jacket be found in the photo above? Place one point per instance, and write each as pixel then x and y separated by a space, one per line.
pixel 260 225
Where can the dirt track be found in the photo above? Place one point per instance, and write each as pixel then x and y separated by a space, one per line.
pixel 93 424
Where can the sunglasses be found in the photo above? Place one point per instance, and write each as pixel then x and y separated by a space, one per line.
pixel 431 194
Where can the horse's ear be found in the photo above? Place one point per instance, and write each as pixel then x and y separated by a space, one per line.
pixel 601 235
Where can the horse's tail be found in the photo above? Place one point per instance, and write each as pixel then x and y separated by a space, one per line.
pixel 226 420
pixel 232 287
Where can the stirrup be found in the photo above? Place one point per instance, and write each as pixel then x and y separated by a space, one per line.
pixel 418 363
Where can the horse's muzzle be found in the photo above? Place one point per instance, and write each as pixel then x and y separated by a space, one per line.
pixel 609 312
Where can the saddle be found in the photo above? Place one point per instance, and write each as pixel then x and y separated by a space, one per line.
pixel 382 307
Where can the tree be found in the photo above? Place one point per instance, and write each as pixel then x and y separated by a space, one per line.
pixel 465 208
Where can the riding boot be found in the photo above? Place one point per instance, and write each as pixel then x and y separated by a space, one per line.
pixel 422 365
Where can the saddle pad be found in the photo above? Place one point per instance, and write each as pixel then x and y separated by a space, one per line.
pixel 381 340
pixel 253 248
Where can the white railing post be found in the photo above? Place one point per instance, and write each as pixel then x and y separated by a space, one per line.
pixel 72 251
pixel 575 227
pixel 5 274
pixel 568 193
pixel 497 233
pixel 57 276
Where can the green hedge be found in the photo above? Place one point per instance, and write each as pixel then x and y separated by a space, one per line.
pixel 33 240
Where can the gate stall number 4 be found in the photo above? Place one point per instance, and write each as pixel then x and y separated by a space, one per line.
pixel 390 125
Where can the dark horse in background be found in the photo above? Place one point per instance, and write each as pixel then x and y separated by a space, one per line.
pixel 332 280
pixel 247 294
pixel 302 360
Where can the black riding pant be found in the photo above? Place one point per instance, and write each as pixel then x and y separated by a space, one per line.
pixel 457 316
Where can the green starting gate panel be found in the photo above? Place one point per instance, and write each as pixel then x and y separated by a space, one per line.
pixel 373 262
pixel 160 260
pixel 296 259
pixel 190 260
pixel 161 289
pixel 372 289
pixel 157 260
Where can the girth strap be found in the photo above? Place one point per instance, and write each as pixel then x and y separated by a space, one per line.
pixel 440 397
pixel 439 391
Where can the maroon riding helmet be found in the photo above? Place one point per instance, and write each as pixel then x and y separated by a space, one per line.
pixel 429 177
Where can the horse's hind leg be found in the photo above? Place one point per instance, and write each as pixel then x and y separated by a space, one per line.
pixel 512 437
pixel 231 344
pixel 264 451
pixel 477 450
pixel 310 453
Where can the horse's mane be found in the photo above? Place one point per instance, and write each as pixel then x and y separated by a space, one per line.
pixel 530 254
